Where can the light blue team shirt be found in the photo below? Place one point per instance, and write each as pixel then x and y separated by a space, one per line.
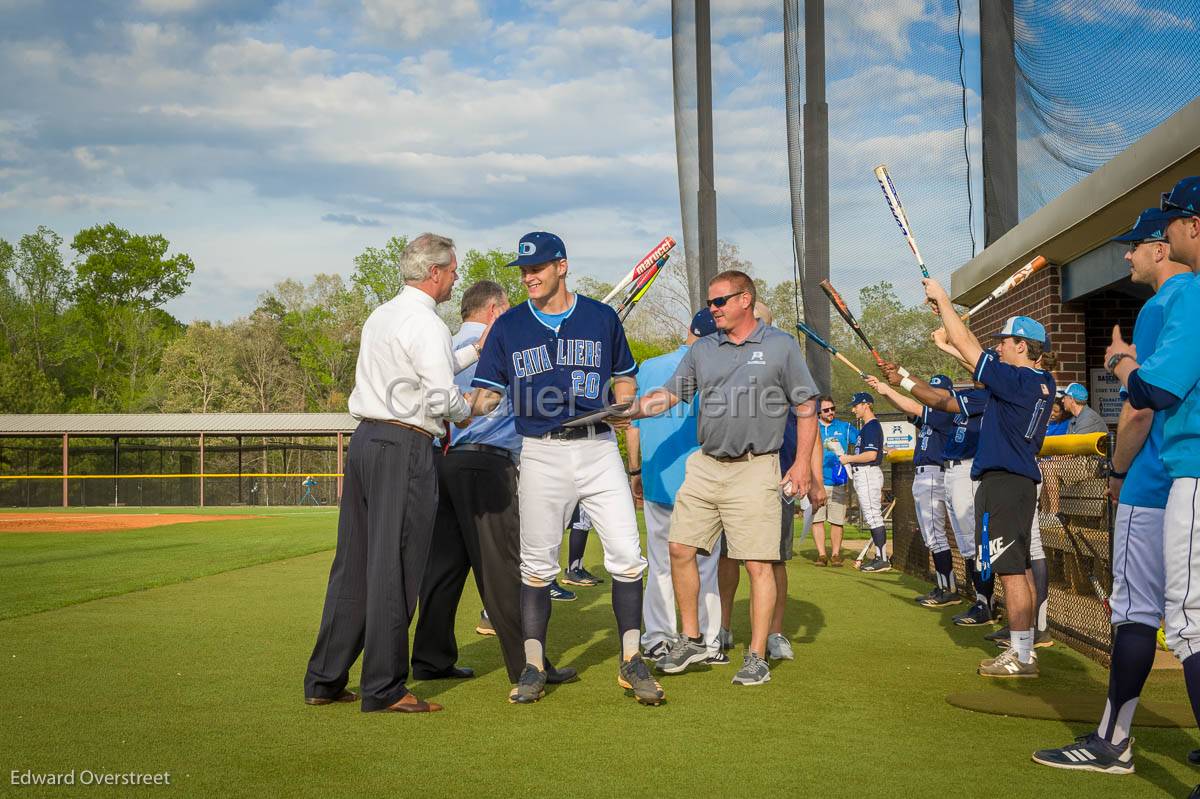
pixel 1148 484
pixel 1175 367
pixel 498 428
pixel 666 440
pixel 843 432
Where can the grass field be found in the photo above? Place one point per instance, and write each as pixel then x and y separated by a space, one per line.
pixel 183 650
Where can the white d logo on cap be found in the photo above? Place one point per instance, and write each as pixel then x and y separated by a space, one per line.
pixel 526 248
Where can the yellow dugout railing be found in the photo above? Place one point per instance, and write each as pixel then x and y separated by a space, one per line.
pixel 1084 444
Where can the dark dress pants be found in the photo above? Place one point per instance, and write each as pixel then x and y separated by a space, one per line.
pixel 477 528
pixel 389 497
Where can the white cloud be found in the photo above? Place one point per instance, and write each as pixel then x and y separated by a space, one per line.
pixel 417 20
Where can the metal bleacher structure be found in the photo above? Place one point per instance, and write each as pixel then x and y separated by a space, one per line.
pixel 171 458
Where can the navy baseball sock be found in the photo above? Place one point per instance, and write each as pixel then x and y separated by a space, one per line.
pixel 575 547
pixel 627 607
pixel 1041 587
pixel 1191 678
pixel 943 564
pixel 879 536
pixel 535 618
pixel 1132 659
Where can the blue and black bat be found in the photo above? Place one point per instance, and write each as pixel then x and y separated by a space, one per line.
pixel 815 338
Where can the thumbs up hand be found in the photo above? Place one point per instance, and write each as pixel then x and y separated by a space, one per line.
pixel 1118 351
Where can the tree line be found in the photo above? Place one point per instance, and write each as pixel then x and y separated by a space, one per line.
pixel 91 335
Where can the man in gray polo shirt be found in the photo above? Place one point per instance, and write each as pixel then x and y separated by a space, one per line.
pixel 746 375
pixel 1084 418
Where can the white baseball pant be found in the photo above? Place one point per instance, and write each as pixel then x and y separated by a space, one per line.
pixel 929 498
pixel 960 502
pixel 555 475
pixel 1181 551
pixel 658 603
pixel 1035 532
pixel 1139 576
pixel 868 486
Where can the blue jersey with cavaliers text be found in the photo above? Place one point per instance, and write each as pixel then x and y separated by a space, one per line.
pixel 964 438
pixel 935 427
pixel 555 374
pixel 1015 419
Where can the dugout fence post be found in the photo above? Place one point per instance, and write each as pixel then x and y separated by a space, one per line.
pixel 340 469
pixel 66 496
pixel 202 470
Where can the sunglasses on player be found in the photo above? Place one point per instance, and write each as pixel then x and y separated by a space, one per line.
pixel 719 302
pixel 1165 204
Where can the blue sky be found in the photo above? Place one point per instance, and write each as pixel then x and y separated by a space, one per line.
pixel 278 139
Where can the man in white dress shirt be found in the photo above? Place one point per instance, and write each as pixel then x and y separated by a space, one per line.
pixel 404 394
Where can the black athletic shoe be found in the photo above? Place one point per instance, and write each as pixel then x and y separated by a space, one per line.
pixel 1195 794
pixel 1194 757
pixel 657 651
pixel 1003 634
pixel 877 566
pixel 559 676
pixel 580 577
pixel 976 615
pixel 942 598
pixel 923 598
pixel 530 687
pixel 560 594
pixel 1089 753
pixel 635 676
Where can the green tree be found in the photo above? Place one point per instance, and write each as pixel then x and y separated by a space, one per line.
pixel 115 267
pixel 26 389
pixel 265 365
pixel 377 271
pixel 199 373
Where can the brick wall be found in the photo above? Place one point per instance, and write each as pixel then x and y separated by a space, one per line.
pixel 1105 309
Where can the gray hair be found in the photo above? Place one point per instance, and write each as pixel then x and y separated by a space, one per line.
pixel 426 250
pixel 480 295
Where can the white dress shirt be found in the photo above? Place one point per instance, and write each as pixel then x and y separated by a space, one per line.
pixel 406 366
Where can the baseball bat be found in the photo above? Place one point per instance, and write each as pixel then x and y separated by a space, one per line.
pixel 893 201
pixel 1014 280
pixel 820 342
pixel 641 267
pixel 844 311
pixel 639 289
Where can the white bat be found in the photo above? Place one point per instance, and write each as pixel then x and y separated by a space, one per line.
pixel 641 267
pixel 893 201
pixel 1014 280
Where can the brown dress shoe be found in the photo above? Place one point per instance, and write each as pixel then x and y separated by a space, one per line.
pixel 821 561
pixel 344 696
pixel 410 704
pixel 836 560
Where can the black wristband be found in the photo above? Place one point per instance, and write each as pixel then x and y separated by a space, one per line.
pixel 1118 475
pixel 1116 359
pixel 633 472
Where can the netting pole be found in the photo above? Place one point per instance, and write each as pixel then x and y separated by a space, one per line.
pixel 816 189
pixel 202 470
pixel 339 469
pixel 706 195
pixel 239 445
pixel 65 500
pixel 998 65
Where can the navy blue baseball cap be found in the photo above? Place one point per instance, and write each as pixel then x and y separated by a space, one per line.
pixel 1151 225
pixel 941 381
pixel 1023 327
pixel 539 247
pixel 703 323
pixel 1183 200
pixel 860 398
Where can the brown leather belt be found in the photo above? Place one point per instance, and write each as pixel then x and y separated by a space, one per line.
pixel 406 426
pixel 745 456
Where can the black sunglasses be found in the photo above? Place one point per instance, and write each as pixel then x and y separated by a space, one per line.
pixel 830 409
pixel 1165 204
pixel 719 302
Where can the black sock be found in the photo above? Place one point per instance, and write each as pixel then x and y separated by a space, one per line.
pixel 1041 588
pixel 1191 676
pixel 575 547
pixel 879 536
pixel 943 564
pixel 1132 659
pixel 535 618
pixel 627 607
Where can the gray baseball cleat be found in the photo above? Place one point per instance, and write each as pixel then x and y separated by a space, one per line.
pixel 754 671
pixel 634 675
pixel 531 686
pixel 684 652
pixel 779 647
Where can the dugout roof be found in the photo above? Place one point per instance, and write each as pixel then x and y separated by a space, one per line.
pixel 1082 219
pixel 175 424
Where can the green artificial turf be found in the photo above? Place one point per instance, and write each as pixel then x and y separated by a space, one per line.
pixel 203 678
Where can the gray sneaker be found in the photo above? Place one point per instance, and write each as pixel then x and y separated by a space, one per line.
pixel 635 675
pixel 654 653
pixel 1008 665
pixel 725 639
pixel 754 671
pixel 684 652
pixel 779 647
pixel 531 686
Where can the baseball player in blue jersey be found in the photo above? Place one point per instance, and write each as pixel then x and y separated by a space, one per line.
pixel 1142 484
pixel 1014 424
pixel 560 356
pixel 867 474
pixel 1169 382
pixel 929 487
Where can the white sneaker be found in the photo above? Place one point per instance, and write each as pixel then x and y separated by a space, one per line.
pixel 779 647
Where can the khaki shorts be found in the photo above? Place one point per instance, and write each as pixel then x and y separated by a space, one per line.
pixel 740 498
pixel 834 509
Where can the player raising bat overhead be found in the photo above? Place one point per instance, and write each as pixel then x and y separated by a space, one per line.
pixel 560 356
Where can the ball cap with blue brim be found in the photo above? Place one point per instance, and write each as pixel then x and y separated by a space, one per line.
pixel 703 323
pixel 941 381
pixel 1151 225
pixel 1076 391
pixel 1183 200
pixel 539 247
pixel 860 398
pixel 1023 327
